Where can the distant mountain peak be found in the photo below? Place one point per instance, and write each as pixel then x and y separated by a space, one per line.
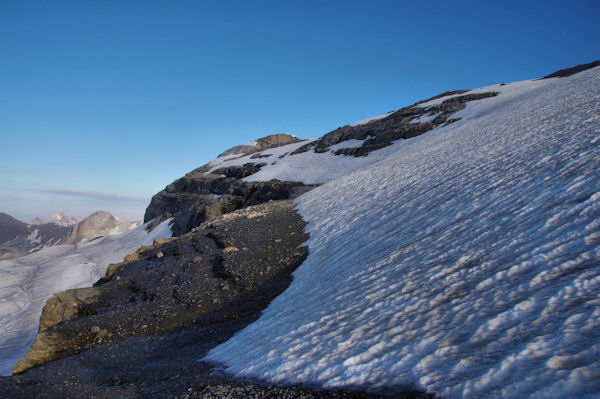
pixel 36 221
pixel 62 219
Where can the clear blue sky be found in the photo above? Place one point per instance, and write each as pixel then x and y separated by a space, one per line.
pixel 104 103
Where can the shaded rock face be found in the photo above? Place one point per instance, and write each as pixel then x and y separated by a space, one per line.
pixel 271 141
pixel 196 197
pixel 98 224
pixel 225 268
pixel 11 228
pixel 398 125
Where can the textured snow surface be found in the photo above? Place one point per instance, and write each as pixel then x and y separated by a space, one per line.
pixel 466 264
pixel 27 282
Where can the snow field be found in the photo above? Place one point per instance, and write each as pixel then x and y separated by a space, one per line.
pixel 465 263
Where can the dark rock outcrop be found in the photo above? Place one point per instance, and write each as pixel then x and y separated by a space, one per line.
pixel 398 125
pixel 198 197
pixel 573 70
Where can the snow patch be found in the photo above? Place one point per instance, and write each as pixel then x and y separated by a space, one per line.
pixel 426 118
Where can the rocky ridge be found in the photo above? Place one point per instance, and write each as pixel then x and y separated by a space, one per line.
pixel 206 193
pixel 18 238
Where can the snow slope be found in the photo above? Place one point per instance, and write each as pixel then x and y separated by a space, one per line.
pixel 465 263
pixel 27 282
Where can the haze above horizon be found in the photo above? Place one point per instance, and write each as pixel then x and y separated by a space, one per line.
pixel 102 104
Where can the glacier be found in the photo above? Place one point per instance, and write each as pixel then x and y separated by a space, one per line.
pixel 464 262
pixel 27 282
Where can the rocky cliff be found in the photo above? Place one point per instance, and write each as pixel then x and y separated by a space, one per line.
pixel 200 196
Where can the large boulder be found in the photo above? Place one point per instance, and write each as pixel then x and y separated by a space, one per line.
pixel 98 224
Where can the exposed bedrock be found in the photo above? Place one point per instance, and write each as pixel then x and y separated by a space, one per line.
pixel 274 140
pixel 200 196
pixel 401 124
pixel 196 197
pixel 224 269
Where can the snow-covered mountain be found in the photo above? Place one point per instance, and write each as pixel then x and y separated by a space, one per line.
pixel 463 262
pixel 18 238
pixel 454 248
pixel 62 219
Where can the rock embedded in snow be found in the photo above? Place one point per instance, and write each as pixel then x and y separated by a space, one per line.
pixel 383 131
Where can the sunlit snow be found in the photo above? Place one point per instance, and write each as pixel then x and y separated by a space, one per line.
pixel 466 263
pixel 27 282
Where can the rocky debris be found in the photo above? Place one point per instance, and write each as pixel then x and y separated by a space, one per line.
pixel 264 143
pixel 198 197
pixel 573 70
pixel 98 224
pixel 175 282
pixel 401 124
pixel 152 366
